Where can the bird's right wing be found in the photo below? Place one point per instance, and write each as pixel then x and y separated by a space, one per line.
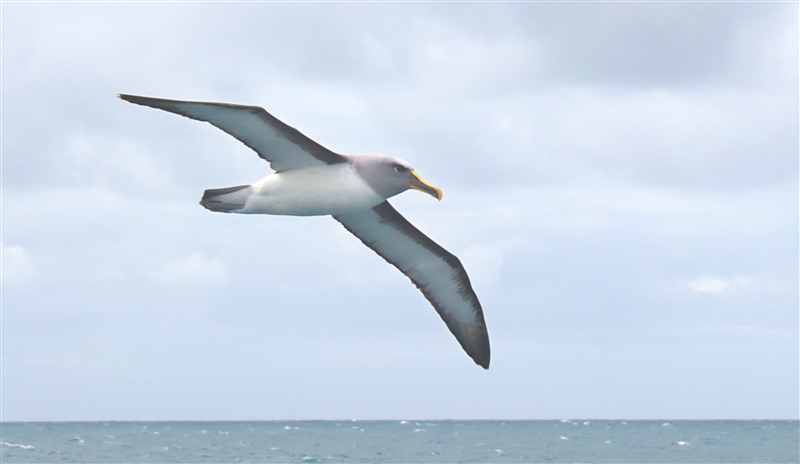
pixel 283 146
pixel 435 271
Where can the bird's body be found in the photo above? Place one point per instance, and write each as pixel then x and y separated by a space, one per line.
pixel 315 191
pixel 310 180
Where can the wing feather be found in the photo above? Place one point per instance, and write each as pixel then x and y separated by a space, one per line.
pixel 283 146
pixel 435 271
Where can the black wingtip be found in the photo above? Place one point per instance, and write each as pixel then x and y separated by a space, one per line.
pixel 131 98
pixel 477 346
pixel 483 354
pixel 480 352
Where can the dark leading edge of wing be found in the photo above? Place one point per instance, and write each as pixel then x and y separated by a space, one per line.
pixel 283 146
pixel 435 271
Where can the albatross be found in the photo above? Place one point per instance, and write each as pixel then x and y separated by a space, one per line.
pixel 310 180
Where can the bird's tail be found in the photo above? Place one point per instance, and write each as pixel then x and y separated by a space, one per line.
pixel 226 200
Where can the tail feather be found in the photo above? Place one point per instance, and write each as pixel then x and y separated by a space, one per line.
pixel 227 199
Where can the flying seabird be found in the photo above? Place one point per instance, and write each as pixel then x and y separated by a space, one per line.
pixel 310 180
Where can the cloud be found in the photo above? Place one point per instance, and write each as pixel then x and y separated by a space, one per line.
pixel 718 285
pixel 93 158
pixel 194 270
pixel 596 159
pixel 18 269
pixel 707 284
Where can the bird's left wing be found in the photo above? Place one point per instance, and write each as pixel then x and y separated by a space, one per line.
pixel 283 146
pixel 435 271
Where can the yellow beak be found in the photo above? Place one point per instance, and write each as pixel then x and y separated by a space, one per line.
pixel 416 183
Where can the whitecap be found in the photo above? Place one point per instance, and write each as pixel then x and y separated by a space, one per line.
pixel 498 451
pixel 564 438
pixel 419 430
pixel 683 443
pixel 224 433
pixel 78 439
pixel 17 445
pixel 404 422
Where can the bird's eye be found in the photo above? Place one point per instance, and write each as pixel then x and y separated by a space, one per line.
pixel 399 168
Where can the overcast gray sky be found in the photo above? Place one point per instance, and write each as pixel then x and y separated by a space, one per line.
pixel 620 181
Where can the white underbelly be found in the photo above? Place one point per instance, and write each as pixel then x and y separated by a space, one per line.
pixel 316 191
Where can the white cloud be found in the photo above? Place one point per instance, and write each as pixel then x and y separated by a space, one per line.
pixel 718 285
pixel 17 268
pixel 195 269
pixel 708 284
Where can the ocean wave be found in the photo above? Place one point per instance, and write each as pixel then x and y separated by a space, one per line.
pixel 17 445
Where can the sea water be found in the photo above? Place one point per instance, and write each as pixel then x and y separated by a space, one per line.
pixel 402 441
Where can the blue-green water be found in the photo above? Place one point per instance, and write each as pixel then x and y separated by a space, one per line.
pixel 402 441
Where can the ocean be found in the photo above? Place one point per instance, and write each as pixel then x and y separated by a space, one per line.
pixel 403 441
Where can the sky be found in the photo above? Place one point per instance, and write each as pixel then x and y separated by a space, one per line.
pixel 620 181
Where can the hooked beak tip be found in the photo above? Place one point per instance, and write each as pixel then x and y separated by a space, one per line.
pixel 416 182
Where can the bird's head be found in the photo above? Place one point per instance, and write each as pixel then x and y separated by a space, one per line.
pixel 388 176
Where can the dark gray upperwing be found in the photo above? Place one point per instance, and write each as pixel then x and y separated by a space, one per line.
pixel 435 271
pixel 283 146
